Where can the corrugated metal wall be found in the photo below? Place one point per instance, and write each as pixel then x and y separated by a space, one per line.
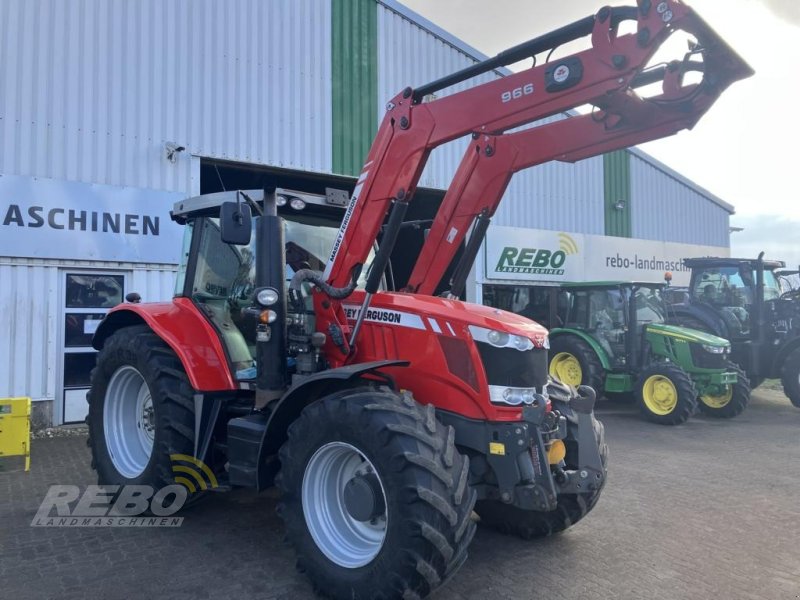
pixel 664 208
pixel 91 90
pixel 30 302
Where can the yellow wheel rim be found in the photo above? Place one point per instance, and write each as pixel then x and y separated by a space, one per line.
pixel 566 368
pixel 660 395
pixel 720 401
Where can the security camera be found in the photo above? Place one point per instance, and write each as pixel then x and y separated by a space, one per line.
pixel 172 150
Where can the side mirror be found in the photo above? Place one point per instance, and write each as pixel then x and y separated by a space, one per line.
pixel 235 223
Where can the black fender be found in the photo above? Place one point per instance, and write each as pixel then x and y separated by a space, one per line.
pixel 258 468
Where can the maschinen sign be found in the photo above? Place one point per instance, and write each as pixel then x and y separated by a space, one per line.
pixel 516 254
pixel 49 218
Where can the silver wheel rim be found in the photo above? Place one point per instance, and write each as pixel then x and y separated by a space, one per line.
pixel 129 422
pixel 343 539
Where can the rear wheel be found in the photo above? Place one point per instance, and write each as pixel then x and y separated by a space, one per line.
pixel 375 496
pixel 141 411
pixel 790 377
pixel 666 394
pixel 732 401
pixel 575 363
pixel 530 524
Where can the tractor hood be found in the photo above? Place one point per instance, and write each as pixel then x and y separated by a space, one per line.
pixel 689 335
pixel 435 314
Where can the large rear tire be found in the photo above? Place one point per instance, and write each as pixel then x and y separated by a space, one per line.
pixel 574 362
pixel 731 403
pixel 666 394
pixel 376 499
pixel 790 377
pixel 531 524
pixel 141 411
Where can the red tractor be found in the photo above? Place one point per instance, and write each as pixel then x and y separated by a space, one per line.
pixel 387 417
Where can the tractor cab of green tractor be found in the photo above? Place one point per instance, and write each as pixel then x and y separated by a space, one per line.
pixel 613 315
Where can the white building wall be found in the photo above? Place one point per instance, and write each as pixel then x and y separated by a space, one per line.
pixel 91 90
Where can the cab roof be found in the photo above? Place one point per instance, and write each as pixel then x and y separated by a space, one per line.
pixel 716 261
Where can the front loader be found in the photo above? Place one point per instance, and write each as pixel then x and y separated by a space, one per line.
pixel 386 417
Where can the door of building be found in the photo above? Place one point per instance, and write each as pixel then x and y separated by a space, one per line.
pixel 86 298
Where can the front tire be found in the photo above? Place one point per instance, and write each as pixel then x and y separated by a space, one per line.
pixel 790 377
pixel 575 363
pixel 532 524
pixel 141 410
pixel 731 403
pixel 666 394
pixel 375 496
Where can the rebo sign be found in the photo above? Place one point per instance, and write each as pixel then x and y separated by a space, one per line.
pixel 47 218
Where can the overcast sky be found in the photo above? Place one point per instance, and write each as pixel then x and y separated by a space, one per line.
pixel 744 150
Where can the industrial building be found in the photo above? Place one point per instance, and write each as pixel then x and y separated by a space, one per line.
pixel 112 112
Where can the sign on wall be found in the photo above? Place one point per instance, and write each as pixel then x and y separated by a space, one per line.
pixel 515 254
pixel 49 218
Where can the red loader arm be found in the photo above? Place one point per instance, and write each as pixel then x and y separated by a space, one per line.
pixel 622 119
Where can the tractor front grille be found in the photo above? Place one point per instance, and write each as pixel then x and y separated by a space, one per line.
pixel 512 368
pixel 703 359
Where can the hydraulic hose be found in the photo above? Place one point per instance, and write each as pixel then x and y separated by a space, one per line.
pixel 316 277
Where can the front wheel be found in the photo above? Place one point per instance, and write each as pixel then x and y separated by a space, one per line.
pixel 732 401
pixel 375 496
pixel 574 362
pixel 141 412
pixel 790 377
pixel 666 394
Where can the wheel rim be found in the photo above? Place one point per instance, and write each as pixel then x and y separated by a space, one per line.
pixel 660 395
pixel 718 401
pixel 129 422
pixel 566 368
pixel 345 540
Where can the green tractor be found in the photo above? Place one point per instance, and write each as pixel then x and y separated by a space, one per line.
pixel 612 337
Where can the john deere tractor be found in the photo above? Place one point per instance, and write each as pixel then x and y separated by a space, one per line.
pixel 612 337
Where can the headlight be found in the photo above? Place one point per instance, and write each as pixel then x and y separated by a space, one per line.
pixel 501 339
pixel 267 296
pixel 514 396
pixel 716 349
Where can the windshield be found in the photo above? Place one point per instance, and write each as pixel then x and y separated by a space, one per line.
pixel 649 306
pixel 772 288
pixel 733 286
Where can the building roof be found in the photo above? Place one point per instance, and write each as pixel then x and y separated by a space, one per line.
pixel 477 55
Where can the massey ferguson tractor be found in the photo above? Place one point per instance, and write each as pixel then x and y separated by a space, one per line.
pixel 741 299
pixel 385 417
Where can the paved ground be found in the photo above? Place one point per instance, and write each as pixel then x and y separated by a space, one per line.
pixel 706 510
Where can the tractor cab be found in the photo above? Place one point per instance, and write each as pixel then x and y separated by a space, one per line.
pixel 613 314
pixel 219 274
pixel 730 288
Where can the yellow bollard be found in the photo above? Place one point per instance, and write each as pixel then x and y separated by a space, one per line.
pixel 15 428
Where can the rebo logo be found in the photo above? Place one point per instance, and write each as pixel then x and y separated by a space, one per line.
pixel 537 261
